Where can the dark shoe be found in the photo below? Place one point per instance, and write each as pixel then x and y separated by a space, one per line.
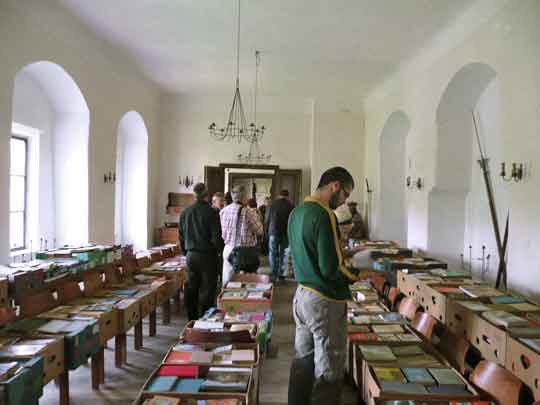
pixel 326 392
pixel 301 381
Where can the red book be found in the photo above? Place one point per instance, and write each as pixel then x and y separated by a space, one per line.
pixel 363 337
pixel 178 357
pixel 179 371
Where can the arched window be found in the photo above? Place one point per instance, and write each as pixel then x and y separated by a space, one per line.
pixel 47 101
pixel 131 194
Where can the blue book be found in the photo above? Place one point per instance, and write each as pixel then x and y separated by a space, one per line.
pixel 127 293
pixel 188 385
pixel 418 375
pixel 506 299
pixel 402 388
pixel 161 384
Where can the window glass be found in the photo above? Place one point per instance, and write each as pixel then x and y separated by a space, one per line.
pixel 17 193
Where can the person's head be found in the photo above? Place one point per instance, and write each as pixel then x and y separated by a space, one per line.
pixel 228 198
pixel 218 200
pixel 335 186
pixel 239 195
pixel 284 194
pixel 200 191
pixel 252 203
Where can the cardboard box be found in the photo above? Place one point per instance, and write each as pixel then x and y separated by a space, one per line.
pixel 247 398
pixel 108 323
pixel 488 338
pixel 524 363
pixel 245 305
pixel 129 314
pixel 148 300
pixel 25 387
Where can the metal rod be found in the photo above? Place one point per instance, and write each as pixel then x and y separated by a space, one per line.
pixel 484 165
pixel 470 258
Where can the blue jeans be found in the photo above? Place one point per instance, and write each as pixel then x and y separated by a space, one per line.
pixel 278 247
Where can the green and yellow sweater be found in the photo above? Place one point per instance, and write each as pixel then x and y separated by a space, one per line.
pixel 316 253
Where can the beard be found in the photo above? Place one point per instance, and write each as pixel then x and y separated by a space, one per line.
pixel 334 199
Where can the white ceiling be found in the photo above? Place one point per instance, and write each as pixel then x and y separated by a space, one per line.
pixel 310 48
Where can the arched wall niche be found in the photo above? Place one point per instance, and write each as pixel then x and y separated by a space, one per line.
pixel 63 153
pixel 392 215
pixel 458 214
pixel 131 193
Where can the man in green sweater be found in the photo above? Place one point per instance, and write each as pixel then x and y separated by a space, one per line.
pixel 320 302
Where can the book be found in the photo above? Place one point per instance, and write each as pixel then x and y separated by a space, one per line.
pixel 223 359
pixel 408 337
pixel 402 388
pixel 377 353
pixel 477 291
pixel 533 343
pixel 208 325
pixel 175 357
pixel 363 337
pixel 411 350
pixel 525 307
pixel 524 331
pixel 162 400
pixel 8 369
pixel 446 376
pixel 449 390
pixel 504 319
pixel 424 360
pixel 473 306
pixel 418 375
pixel 392 317
pixel 256 295
pixel 506 299
pixel 234 295
pixel 234 285
pixel 188 385
pixel 126 292
pixel 223 349
pixel 178 371
pixel 202 357
pixel 387 328
pixel 358 328
pixel 388 337
pixel 161 384
pixel 244 355
pixel 223 381
pixel 534 317
pixel 184 347
pixel 447 290
pixel 236 327
pixel 389 374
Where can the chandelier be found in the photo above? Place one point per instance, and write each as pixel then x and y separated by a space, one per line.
pixel 236 128
pixel 255 133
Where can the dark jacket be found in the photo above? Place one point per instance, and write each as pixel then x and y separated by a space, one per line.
pixel 277 217
pixel 200 229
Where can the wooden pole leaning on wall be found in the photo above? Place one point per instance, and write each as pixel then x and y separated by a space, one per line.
pixel 501 247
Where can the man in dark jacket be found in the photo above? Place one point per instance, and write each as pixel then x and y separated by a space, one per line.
pixel 277 218
pixel 200 239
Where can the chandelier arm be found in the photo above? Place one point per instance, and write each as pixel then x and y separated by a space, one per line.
pixel 238 47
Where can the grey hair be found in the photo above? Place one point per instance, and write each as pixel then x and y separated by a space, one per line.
pixel 239 193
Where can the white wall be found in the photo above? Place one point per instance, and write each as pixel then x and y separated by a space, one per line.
pixel 34 30
pixel 502 34
pixel 299 136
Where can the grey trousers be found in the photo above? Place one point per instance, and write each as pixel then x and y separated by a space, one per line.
pixel 321 338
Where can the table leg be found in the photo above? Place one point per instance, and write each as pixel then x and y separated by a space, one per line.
pixel 152 323
pixel 138 335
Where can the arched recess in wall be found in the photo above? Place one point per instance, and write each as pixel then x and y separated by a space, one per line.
pixel 392 215
pixel 131 193
pixel 458 213
pixel 62 154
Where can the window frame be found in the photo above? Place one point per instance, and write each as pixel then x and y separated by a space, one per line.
pixel 25 210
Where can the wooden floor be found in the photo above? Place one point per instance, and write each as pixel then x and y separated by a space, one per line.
pixel 121 385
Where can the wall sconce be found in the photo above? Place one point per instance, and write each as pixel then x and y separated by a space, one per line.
pixel 414 184
pixel 516 173
pixel 186 181
pixel 109 178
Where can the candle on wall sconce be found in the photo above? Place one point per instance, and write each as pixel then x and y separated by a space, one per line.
pixel 109 178
pixel 516 172
pixel 186 182
pixel 414 184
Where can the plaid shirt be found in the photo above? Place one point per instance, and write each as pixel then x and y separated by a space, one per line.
pixel 250 226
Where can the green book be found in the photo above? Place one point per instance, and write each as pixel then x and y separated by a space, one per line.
pixel 446 376
pixel 411 350
pixel 389 374
pixel 377 353
pixel 418 375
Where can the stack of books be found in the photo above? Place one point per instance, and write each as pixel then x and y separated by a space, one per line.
pixel 183 353
pixel 420 381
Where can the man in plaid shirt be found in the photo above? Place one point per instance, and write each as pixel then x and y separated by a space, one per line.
pixel 250 227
